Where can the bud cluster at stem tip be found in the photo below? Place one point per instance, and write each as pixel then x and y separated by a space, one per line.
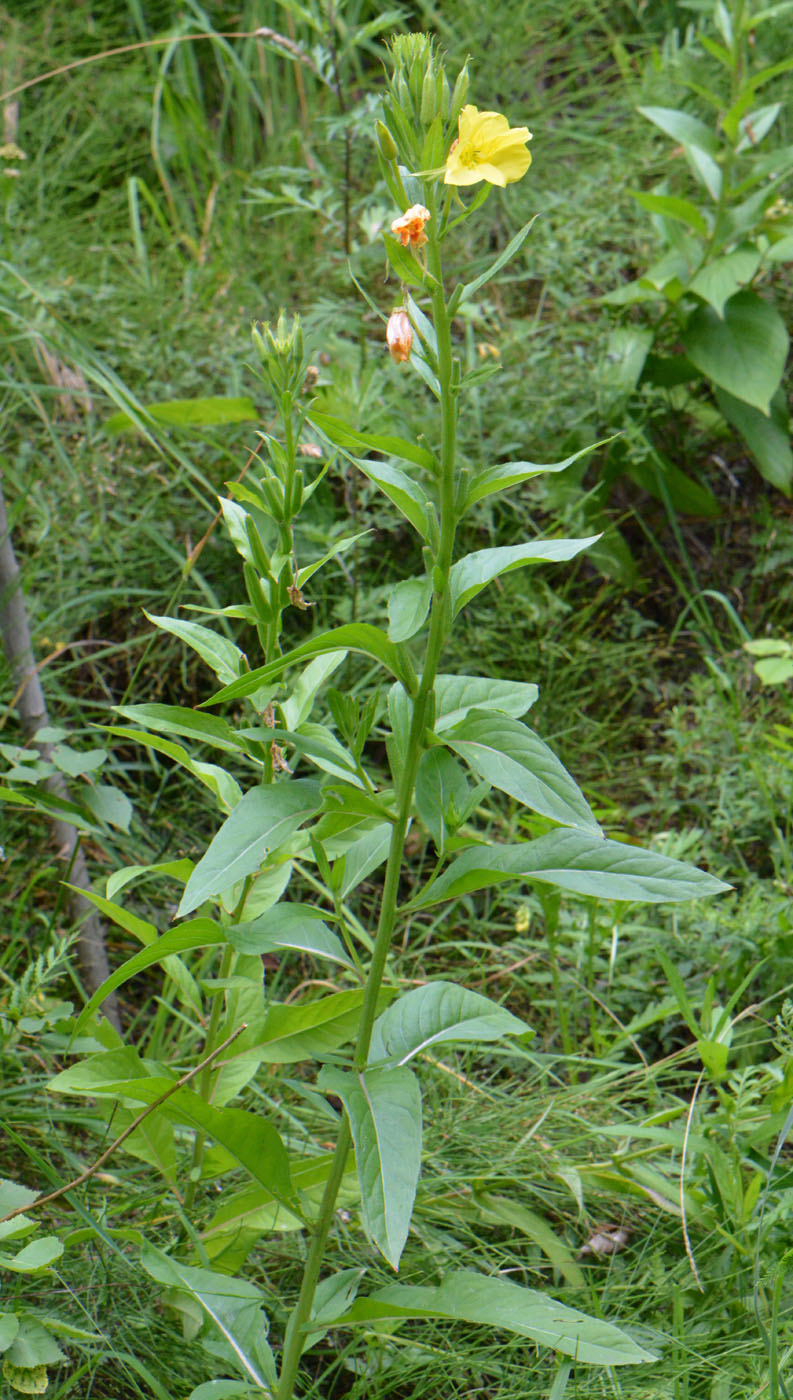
pixel 420 111
pixel 282 354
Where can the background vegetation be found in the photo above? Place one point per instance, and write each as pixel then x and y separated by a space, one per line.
pixel 168 196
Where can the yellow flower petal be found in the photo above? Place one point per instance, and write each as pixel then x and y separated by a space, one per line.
pixel 487 148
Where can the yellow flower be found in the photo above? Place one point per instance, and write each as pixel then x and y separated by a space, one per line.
pixel 409 227
pixel 487 148
pixel 399 335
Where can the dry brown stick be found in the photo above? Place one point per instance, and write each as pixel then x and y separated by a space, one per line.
pixel 18 646
pixel 272 35
pixel 136 1122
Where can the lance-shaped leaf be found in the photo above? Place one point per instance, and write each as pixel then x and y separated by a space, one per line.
pixel 578 862
pixel 507 474
pixel 406 494
pixel 218 651
pixel 264 818
pixel 438 1013
pixel 473 572
pixel 177 719
pixel 308 1030
pixel 514 246
pixel 353 636
pixel 384 1110
pixel 687 130
pixel 496 1302
pixel 514 759
pixel 298 927
pixel 387 443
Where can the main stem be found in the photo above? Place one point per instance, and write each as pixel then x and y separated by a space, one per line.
pixel 440 621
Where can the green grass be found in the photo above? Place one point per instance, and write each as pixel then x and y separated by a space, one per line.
pixel 159 211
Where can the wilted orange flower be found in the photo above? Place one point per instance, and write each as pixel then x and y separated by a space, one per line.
pixel 409 227
pixel 399 335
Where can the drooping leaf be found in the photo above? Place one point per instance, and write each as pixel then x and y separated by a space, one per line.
pixel 744 352
pixel 264 818
pixel 407 495
pixel 435 1014
pixel 177 719
pixel 221 654
pixel 220 782
pixel 514 759
pixel 196 933
pixel 768 438
pixel 353 636
pixel 578 862
pixel 497 1303
pixel 474 571
pixel 672 207
pixel 441 794
pixel 387 443
pixel 408 605
pixel 384 1110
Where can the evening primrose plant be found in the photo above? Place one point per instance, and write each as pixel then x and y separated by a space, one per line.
pixel 305 816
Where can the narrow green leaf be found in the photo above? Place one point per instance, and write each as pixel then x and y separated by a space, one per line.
pixel 687 130
pixel 745 352
pixel 441 795
pixel 474 571
pixel 387 443
pixel 355 636
pixel 188 413
pixel 575 861
pixel 224 658
pixel 496 1302
pixel 384 1110
pixel 514 246
pixel 508 754
pixel 314 1029
pixel 260 822
pixel 438 1013
pixel 406 494
pixel 298 927
pixel 196 933
pixel 219 781
pixel 672 207
pixel 507 474
pixel 177 719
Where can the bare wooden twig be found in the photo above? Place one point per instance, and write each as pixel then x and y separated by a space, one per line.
pixel 136 1122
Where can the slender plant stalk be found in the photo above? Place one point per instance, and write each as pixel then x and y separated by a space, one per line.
pixel 440 618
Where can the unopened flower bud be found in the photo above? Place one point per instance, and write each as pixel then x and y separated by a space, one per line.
pixel 386 142
pixel 399 335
